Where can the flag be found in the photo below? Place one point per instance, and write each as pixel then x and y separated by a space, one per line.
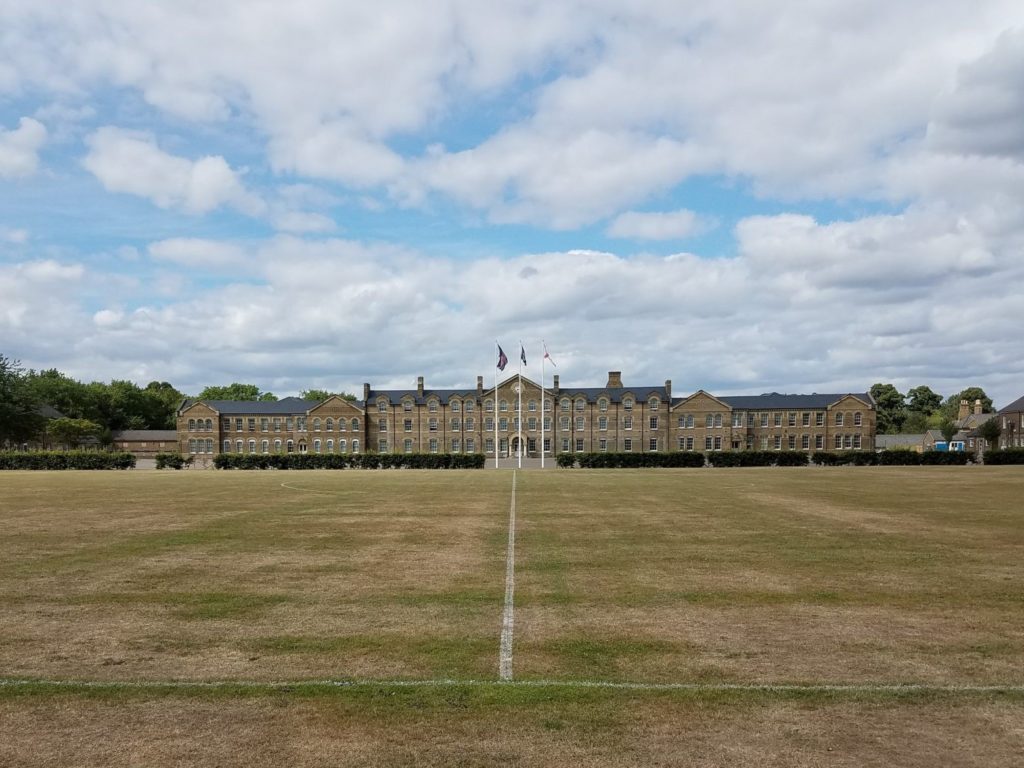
pixel 547 356
pixel 522 353
pixel 502 359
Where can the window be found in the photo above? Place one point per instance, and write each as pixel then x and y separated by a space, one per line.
pixel 709 421
pixel 264 446
pixel 330 446
pixel 382 425
pixel 580 423
pixel 718 443
pixel 602 423
pixel 819 419
pixel 565 445
pixel 238 446
pixel 238 424
pixel 470 445
pixel 682 443
pixel 737 419
pixel 627 444
pixel 432 424
pixel 778 442
pixel 407 425
pixel 602 404
pixel 857 420
pixel 316 446
pixel 764 419
pixel 382 406
pixel 531 445
pixel 627 422
pixel 342 445
pixel 515 405
pixel 579 445
pixel 819 442
pixel 564 404
pixel 718 421
pixel 778 419
pixel 382 445
pixel 503 424
pixel 277 423
pixel 329 424
pixel 681 422
pixel 488 406
pixel 355 446
pixel 503 406
pixel 470 423
pixel 277 446
pixel 456 445
pixel 264 424
pixel 489 424
pixel 407 445
pixel 792 419
pixel 849 441
pixel 531 424
pixel 602 445
pixel 489 445
pixel 856 442
pixel 653 422
pixel 192 426
pixel 581 404
pixel 806 419
pixel 708 443
pixel 407 404
pixel 689 443
pixel 227 446
pixel 653 404
pixel 316 426
pixel 532 406
pixel 288 424
pixel 653 445
pixel 515 424
pixel 547 445
pixel 547 423
pixel 839 419
pixel 627 404
pixel 805 441
pixel 225 424
pixel 455 425
pixel 355 428
pixel 432 405
pixel 191 446
pixel 792 442
pixel 291 446
pixel 300 423
pixel 547 406
pixel 764 442
pixel 839 441
pixel 469 406
pixel 455 406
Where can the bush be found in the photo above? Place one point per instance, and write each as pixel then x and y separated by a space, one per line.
pixel 565 461
pixel 603 460
pixel 791 459
pixel 172 461
pixel 66 460
pixel 857 458
pixel 942 458
pixel 1004 456
pixel 344 461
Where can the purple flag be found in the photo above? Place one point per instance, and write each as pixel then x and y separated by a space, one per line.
pixel 502 359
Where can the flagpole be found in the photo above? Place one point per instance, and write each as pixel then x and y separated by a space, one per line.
pixel 519 421
pixel 497 348
pixel 542 407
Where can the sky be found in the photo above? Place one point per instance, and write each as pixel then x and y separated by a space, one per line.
pixel 739 196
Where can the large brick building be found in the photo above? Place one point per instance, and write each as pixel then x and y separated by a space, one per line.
pixel 613 418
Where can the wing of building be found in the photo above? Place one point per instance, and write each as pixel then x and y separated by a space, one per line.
pixel 613 418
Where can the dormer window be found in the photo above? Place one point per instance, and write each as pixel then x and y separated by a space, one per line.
pixel 627 404
pixel 382 406
pixel 653 404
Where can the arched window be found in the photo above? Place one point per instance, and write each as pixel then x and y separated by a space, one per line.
pixel 277 446
pixel 209 427
pixel 468 406
pixel 488 406
pixel 264 446
pixel 316 425
pixel 355 446
pixel 227 446
pixel 316 446
pixel 209 446
pixel 407 404
pixel 252 446
pixel 580 404
pixel 432 405
pixel 627 404
pixel 565 405
pixel 330 446
pixel 329 424
pixel 238 446
pixel 470 423
pixel 602 404
pixel 455 405
pixel 342 424
pixel 341 446
pixel 355 426
pixel 191 446
pixel 503 406
pixel 653 404
pixel 532 406
pixel 191 425
pixel 382 405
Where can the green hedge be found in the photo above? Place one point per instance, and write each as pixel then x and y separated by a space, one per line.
pixel 995 457
pixel 348 461
pixel 173 461
pixel 757 459
pixel 892 458
pixel 857 458
pixel 66 460
pixel 602 460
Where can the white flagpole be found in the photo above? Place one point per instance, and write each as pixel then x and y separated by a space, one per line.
pixel 519 421
pixel 542 407
pixel 494 413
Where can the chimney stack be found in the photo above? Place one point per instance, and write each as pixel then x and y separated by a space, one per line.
pixel 554 384
pixel 977 407
pixel 479 386
pixel 965 409
pixel 614 380
pixel 419 386
pixel 366 392
pixel 668 390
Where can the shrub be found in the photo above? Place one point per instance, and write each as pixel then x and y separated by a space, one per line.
pixel 66 460
pixel 565 461
pixel 1004 456
pixel 942 458
pixel 602 460
pixel 343 461
pixel 172 461
pixel 791 459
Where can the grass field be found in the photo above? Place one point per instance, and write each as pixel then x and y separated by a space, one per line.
pixel 158 618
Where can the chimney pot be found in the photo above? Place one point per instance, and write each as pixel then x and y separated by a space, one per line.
pixel 965 409
pixel 366 392
pixel 977 406
pixel 479 385
pixel 668 390
pixel 554 384
pixel 419 386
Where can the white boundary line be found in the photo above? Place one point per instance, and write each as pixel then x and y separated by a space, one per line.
pixel 281 685
pixel 322 493
pixel 508 617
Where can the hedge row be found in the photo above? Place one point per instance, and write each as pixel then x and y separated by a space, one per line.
pixel 348 461
pixel 757 459
pixel 173 461
pixel 1004 456
pixel 629 460
pixel 779 459
pixel 66 460
pixel 893 458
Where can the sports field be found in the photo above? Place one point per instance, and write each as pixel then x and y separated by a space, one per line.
pixel 842 616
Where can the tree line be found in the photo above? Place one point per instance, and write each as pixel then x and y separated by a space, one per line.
pixel 921 409
pixel 91 412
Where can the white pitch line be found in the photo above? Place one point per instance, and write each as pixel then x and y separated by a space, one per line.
pixel 508 617
pixel 323 493
pixel 280 685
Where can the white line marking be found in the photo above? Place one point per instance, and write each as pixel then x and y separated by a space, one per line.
pixel 325 493
pixel 508 618
pixel 694 687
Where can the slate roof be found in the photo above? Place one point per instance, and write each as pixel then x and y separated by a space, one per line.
pixel 776 401
pixel 888 442
pixel 287 405
pixel 444 395
pixel 1014 407
pixel 614 394
pixel 155 435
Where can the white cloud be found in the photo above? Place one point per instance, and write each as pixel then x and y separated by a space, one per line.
pixel 131 162
pixel 200 254
pixel 668 225
pixel 19 148
pixel 14 236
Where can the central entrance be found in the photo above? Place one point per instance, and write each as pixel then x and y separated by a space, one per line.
pixel 516 446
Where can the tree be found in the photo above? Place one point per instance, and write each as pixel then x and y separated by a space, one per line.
pixel 72 431
pixel 72 398
pixel 323 394
pixel 948 428
pixel 891 408
pixel 20 420
pixel 923 400
pixel 951 408
pixel 236 391
pixel 916 423
pixel 164 401
pixel 991 431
